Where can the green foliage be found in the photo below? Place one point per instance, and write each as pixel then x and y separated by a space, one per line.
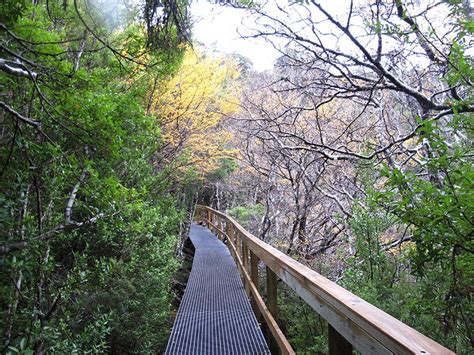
pixel 10 10
pixel 167 23
pixel 225 167
pixel 304 328
pixel 367 226
pixel 247 214
pixel 96 277
pixel 401 281
pixel 439 208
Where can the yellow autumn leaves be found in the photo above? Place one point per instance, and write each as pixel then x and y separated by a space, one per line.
pixel 191 106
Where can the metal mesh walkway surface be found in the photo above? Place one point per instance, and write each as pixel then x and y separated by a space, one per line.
pixel 215 316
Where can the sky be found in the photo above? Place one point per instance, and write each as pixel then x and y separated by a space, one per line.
pixel 216 27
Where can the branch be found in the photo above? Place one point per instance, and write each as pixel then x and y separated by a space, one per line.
pixel 396 242
pixel 27 120
pixel 406 18
pixel 72 198
pixel 15 68
pixel 399 84
pixel 22 244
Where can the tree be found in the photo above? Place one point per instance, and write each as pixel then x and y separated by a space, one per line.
pixel 384 88
pixel 88 226
pixel 190 107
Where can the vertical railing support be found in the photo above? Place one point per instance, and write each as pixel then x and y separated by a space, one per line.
pixel 272 305
pixel 228 232
pixel 222 228
pixel 245 257
pixel 338 345
pixel 254 278
pixel 238 243
pixel 217 223
pixel 272 293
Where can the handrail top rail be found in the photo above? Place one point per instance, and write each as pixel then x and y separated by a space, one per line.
pixel 391 333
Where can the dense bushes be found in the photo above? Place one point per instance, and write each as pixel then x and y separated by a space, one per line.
pixel 88 225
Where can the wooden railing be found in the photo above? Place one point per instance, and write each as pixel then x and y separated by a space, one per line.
pixel 352 322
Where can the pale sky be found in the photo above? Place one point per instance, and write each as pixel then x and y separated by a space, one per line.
pixel 216 27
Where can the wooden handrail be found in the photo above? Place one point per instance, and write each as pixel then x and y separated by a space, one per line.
pixel 352 321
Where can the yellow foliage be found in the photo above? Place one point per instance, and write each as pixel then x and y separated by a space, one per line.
pixel 191 106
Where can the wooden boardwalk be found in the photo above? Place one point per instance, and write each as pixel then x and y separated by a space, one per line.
pixel 215 316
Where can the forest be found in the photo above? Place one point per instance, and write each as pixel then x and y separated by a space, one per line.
pixel 353 155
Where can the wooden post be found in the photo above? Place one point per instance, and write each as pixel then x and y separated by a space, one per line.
pixel 220 228
pixel 272 293
pixel 245 257
pixel 208 220
pixel 272 305
pixel 228 231
pixel 338 345
pixel 254 278
pixel 238 244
